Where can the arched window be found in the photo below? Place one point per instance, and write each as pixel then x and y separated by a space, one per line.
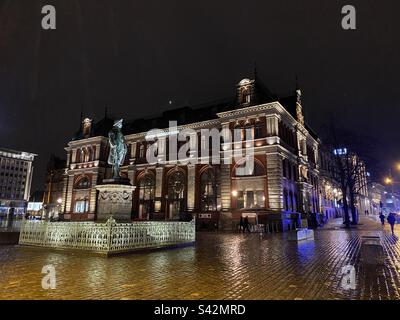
pixel 210 190
pixel 83 183
pixel 245 95
pixel 243 170
pixel 147 187
pixel 176 185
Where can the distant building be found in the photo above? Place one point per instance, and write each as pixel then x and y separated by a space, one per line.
pixel 35 204
pixel 54 187
pixel 363 201
pixel 16 169
pixel 285 181
pixel 377 193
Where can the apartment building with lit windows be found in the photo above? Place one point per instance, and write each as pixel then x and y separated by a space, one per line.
pixel 16 169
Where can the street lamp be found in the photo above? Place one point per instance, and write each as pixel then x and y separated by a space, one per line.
pixel 388 180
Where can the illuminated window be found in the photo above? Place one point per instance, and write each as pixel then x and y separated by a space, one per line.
pixel 83 183
pixel 82 206
pixel 251 170
pixel 209 190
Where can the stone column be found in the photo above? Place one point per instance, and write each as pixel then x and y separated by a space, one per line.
pixel 274 181
pixel 226 146
pixel 161 157
pixel 73 160
pixel 93 193
pixel 226 187
pixel 133 150
pixel 132 174
pixel 97 155
pixel 159 184
pixel 68 208
pixel 64 193
pixel 68 159
pixel 272 124
pixel 191 186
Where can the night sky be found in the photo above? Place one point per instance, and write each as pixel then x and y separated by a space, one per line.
pixel 136 56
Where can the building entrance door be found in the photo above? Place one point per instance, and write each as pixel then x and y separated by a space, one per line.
pixel 175 209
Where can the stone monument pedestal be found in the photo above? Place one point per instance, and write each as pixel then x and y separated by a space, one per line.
pixel 301 234
pixel 115 200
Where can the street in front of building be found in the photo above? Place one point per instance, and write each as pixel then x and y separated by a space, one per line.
pixel 219 266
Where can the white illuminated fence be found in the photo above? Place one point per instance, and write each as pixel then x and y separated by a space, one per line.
pixel 109 237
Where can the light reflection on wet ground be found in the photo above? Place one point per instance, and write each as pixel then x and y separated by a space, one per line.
pixel 220 266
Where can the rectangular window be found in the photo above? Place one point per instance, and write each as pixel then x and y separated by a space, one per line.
pixel 240 200
pixel 82 206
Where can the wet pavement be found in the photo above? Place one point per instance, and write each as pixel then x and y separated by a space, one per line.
pixel 220 266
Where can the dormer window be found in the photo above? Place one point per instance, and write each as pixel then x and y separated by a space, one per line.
pixel 245 95
pixel 245 91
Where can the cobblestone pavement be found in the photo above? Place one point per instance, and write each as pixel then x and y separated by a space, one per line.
pixel 220 266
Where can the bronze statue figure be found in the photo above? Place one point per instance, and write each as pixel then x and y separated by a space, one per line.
pixel 118 148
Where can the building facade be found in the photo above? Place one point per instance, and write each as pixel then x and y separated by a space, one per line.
pixel 287 179
pixel 377 194
pixel 16 169
pixel 54 187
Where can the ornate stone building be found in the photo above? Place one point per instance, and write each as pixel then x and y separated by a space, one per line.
pixel 285 179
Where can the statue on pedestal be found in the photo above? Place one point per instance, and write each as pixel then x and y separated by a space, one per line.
pixel 115 195
pixel 118 148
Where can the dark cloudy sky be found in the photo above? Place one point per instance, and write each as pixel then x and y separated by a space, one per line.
pixel 135 56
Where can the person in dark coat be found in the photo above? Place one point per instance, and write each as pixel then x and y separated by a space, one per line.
pixel 246 225
pixel 241 224
pixel 382 217
pixel 391 219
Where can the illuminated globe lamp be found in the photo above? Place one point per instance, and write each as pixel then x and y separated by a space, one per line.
pixel 388 180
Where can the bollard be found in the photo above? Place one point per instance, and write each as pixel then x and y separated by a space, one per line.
pixel 372 251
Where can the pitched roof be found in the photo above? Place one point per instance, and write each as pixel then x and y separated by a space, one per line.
pixel 191 114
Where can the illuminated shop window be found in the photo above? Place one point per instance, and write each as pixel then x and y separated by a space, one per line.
pixel 210 197
pixel 82 206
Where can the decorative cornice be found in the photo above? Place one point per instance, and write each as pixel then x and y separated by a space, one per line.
pixel 247 110
pixel 195 125
pixel 83 142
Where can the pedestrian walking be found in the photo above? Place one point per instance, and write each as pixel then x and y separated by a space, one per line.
pixel 391 219
pixel 241 224
pixel 246 225
pixel 382 217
